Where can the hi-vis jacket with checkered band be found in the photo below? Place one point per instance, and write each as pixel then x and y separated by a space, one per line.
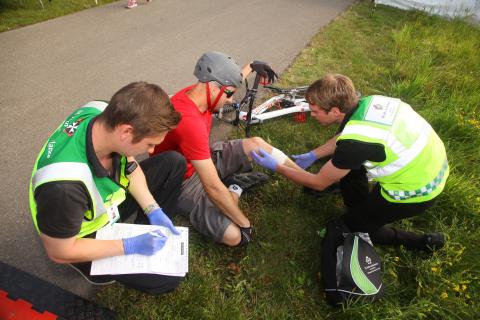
pixel 416 167
pixel 64 158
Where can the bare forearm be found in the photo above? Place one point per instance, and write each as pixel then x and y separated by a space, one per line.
pixel 326 149
pixel 223 199
pixel 218 193
pixel 82 250
pixel 138 188
pixel 327 175
pixel 302 177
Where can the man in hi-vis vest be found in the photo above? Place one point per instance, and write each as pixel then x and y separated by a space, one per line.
pixel 85 178
pixel 382 139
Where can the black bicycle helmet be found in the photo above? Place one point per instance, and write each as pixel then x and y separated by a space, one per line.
pixel 217 66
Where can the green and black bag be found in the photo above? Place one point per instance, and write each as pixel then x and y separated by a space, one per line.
pixel 351 269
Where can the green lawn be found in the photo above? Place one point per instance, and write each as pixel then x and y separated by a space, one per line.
pixel 434 65
pixel 18 13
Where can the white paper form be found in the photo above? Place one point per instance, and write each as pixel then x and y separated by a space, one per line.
pixel 172 259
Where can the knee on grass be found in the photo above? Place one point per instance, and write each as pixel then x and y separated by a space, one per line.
pixel 232 236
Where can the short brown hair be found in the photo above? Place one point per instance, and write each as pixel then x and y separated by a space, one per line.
pixel 333 90
pixel 144 106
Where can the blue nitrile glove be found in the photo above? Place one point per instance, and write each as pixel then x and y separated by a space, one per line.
pixel 305 160
pixel 159 218
pixel 264 159
pixel 145 244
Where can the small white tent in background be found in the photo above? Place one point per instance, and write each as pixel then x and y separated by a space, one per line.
pixel 447 8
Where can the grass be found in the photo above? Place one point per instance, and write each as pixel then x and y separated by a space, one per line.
pixel 19 13
pixel 434 65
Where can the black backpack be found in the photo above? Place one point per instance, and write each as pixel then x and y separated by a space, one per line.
pixel 351 269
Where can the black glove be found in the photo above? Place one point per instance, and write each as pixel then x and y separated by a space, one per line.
pixel 246 236
pixel 264 70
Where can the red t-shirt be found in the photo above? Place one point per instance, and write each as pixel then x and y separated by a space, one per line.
pixel 191 136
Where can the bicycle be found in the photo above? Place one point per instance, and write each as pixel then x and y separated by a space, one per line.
pixel 287 101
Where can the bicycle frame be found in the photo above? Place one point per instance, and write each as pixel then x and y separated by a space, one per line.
pixel 259 114
pixel 286 102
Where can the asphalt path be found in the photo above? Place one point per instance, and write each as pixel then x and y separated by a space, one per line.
pixel 49 69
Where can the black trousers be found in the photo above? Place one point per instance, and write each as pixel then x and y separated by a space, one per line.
pixel 368 211
pixel 164 173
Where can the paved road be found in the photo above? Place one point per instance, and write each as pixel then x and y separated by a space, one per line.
pixel 48 69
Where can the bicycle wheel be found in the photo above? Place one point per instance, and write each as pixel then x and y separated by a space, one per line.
pixel 293 91
pixel 259 106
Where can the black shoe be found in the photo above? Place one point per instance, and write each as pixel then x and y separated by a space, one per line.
pixel 84 270
pixel 246 181
pixel 434 241
pixel 332 189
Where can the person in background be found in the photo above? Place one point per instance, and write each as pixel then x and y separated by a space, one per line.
pixel 133 4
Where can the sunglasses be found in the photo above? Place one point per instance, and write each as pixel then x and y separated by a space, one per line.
pixel 228 93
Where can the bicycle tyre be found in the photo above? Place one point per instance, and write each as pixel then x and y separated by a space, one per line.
pixel 299 91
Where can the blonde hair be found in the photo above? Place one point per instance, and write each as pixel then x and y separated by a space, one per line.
pixel 333 90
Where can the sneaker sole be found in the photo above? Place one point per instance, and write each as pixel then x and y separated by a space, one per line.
pixel 250 180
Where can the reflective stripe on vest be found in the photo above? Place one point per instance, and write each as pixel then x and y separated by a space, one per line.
pixel 74 171
pixel 415 168
pixel 70 163
pixel 100 105
pixel 406 155
pixel 70 171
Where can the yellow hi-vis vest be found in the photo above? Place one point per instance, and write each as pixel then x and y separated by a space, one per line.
pixel 416 167
pixel 64 158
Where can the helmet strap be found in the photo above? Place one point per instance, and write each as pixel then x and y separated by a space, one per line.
pixel 209 102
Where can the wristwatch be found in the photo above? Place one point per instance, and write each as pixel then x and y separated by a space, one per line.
pixel 130 167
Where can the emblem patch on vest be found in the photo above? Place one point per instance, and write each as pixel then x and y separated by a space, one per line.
pixel 71 128
pixel 382 110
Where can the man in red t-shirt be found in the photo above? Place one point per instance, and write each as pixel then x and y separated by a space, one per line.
pixel 211 206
